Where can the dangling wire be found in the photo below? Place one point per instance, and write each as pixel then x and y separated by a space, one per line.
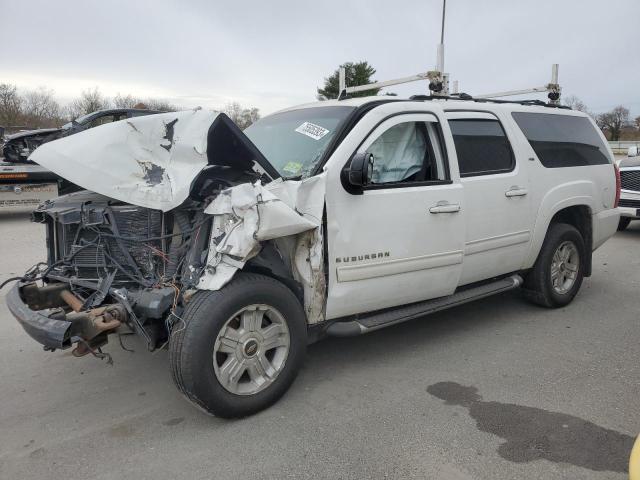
pixel 98 353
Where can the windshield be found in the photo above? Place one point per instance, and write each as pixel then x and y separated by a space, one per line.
pixel 84 118
pixel 80 120
pixel 293 142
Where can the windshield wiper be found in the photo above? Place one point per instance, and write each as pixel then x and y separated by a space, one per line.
pixel 293 177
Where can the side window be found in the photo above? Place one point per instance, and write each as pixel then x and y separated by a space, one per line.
pixel 562 140
pixel 405 154
pixel 96 122
pixel 139 114
pixel 482 147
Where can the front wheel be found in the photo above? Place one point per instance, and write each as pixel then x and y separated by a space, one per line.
pixel 558 272
pixel 240 348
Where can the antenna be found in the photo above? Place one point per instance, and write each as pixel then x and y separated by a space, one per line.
pixel 440 52
pixel 439 80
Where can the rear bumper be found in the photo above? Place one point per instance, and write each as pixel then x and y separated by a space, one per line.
pixel 44 330
pixel 605 224
pixel 629 212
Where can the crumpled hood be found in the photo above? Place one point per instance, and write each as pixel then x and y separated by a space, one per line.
pixel 151 161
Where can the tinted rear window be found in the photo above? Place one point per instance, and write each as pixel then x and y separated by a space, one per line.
pixel 482 147
pixel 562 140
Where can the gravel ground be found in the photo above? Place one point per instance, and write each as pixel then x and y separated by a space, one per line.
pixel 498 389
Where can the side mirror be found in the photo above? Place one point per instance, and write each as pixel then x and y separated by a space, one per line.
pixel 360 170
pixel 633 151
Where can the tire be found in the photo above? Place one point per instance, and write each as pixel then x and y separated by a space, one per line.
pixel 539 286
pixel 221 322
pixel 623 223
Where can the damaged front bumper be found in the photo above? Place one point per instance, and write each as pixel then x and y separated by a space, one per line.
pixel 47 331
pixel 39 311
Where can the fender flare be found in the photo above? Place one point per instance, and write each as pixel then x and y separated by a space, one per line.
pixel 573 194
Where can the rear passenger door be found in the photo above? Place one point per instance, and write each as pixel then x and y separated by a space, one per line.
pixel 498 219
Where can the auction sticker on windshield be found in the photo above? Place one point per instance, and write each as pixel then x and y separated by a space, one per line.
pixel 312 130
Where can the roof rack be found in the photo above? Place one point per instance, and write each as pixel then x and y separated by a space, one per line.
pixel 467 97
pixel 439 83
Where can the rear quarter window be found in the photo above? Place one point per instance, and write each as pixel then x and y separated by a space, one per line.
pixel 562 140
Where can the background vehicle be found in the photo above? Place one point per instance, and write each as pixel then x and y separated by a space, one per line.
pixel 334 218
pixel 24 184
pixel 28 185
pixel 630 184
pixel 18 146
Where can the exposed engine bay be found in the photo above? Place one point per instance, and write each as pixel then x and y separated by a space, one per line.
pixel 119 267
pixel 120 257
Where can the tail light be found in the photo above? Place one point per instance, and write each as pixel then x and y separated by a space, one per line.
pixel 618 186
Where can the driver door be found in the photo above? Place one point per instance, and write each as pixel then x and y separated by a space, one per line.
pixel 399 239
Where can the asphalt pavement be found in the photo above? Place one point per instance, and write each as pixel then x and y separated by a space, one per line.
pixel 497 389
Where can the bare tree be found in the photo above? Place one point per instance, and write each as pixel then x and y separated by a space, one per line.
pixel 233 110
pixel 159 104
pixel 243 117
pixel 41 109
pixel 89 101
pixel 10 105
pixel 125 101
pixel 129 101
pixel 575 103
pixel 613 121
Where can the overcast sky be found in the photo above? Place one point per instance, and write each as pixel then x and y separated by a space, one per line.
pixel 273 54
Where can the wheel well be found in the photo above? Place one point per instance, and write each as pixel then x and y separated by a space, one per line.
pixel 270 263
pixel 579 216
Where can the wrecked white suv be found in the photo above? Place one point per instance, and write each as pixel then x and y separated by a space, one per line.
pixel 336 218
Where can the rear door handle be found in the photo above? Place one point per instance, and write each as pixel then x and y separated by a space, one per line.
pixel 445 208
pixel 516 192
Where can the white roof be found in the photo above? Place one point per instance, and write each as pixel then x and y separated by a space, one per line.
pixel 444 103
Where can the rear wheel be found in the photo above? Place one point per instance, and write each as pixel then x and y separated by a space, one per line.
pixel 557 274
pixel 240 348
pixel 623 223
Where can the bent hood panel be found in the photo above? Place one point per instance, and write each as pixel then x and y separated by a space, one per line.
pixel 150 161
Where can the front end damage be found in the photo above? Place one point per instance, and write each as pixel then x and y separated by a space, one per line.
pixel 17 147
pixel 56 318
pixel 130 254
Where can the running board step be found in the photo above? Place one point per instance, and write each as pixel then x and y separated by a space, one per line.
pixel 375 321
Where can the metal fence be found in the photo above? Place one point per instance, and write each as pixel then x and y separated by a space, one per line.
pixel 621 147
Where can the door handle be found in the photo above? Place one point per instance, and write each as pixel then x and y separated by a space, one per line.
pixel 516 192
pixel 445 208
